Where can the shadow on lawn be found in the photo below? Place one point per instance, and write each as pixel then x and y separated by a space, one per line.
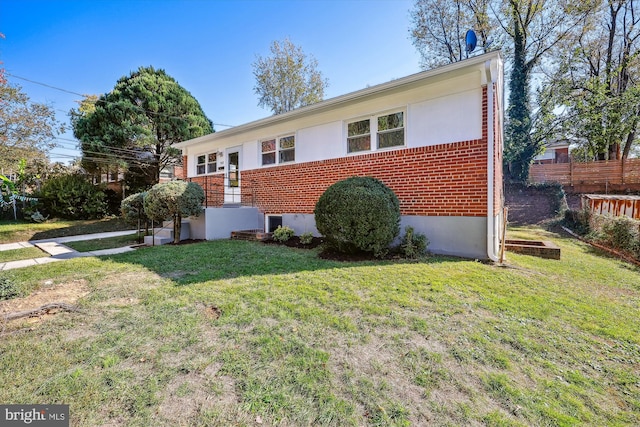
pixel 228 259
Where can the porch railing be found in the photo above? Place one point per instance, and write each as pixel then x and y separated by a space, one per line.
pixel 216 194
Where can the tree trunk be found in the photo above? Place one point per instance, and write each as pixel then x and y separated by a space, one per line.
pixel 177 228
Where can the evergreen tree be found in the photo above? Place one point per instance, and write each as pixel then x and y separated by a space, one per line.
pixel 135 125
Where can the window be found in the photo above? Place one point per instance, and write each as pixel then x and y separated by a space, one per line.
pixel 391 130
pixel 282 149
pixel 268 152
pixel 287 149
pixel 359 136
pixel 206 163
pixel 388 129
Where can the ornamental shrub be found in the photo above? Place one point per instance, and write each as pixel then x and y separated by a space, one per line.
pixel 414 245
pixel 132 208
pixel 72 196
pixel 283 234
pixel 306 238
pixel 358 214
pixel 174 200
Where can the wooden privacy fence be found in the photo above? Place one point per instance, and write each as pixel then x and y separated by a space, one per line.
pixel 602 176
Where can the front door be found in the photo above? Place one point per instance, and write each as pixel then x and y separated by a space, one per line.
pixel 232 176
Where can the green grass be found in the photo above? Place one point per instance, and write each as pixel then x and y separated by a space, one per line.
pixel 107 243
pixel 231 332
pixel 22 253
pixel 21 231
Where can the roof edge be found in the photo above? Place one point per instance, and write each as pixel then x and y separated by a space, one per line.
pixel 381 87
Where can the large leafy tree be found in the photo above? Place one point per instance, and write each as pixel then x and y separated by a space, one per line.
pixel 596 83
pixel 438 28
pixel 529 30
pixel 288 78
pixel 27 128
pixel 135 125
pixel 535 28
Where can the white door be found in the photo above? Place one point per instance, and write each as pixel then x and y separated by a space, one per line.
pixel 232 175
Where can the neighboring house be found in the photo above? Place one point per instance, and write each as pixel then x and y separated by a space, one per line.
pixel 554 152
pixel 435 138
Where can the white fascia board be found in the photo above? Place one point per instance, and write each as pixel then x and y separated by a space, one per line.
pixel 424 77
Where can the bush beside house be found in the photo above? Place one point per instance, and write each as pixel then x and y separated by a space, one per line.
pixel 358 214
pixel 174 200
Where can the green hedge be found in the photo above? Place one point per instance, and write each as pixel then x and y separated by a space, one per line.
pixel 358 214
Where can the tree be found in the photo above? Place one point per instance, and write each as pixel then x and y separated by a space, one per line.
pixel 535 28
pixel 27 129
pixel 288 78
pixel 596 82
pixel 174 200
pixel 135 125
pixel 530 30
pixel 439 26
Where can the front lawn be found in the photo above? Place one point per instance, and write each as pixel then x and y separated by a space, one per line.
pixel 106 243
pixel 241 333
pixel 22 231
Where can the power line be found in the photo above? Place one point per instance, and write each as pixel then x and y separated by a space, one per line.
pixel 102 100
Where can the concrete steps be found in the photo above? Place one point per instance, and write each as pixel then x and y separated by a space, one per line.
pixel 163 235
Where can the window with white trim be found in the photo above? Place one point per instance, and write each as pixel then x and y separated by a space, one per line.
pixel 206 163
pixel 388 130
pixel 391 130
pixel 359 136
pixel 278 150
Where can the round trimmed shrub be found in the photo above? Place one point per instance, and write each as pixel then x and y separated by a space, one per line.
pixel 358 214
pixel 132 208
pixel 173 201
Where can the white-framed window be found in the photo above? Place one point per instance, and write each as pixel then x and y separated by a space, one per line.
pixel 206 163
pixel 391 130
pixel 359 136
pixel 388 129
pixel 278 150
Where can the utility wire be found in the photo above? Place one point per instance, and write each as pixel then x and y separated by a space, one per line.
pixel 102 100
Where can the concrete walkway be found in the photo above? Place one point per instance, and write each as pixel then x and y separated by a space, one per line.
pixel 59 252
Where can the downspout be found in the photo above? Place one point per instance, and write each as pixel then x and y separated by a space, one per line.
pixel 491 252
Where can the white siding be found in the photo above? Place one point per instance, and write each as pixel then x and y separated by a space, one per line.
pixel 446 110
pixel 319 142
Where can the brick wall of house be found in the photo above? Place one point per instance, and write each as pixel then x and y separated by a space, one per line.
pixel 439 180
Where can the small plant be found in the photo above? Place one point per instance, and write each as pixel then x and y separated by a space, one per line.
pixel 579 220
pixel 306 238
pixel 7 289
pixel 283 234
pixel 413 244
pixel 621 233
pixel 37 217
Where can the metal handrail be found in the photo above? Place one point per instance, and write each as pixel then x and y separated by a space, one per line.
pixel 215 193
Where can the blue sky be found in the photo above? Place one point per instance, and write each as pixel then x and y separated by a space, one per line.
pixel 85 46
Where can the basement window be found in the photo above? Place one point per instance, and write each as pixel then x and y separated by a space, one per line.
pixel 273 222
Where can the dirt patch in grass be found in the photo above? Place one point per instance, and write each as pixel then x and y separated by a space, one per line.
pixel 67 292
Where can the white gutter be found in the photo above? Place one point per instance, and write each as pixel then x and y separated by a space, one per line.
pixel 491 250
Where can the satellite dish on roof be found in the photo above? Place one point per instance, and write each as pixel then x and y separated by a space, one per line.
pixel 471 41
